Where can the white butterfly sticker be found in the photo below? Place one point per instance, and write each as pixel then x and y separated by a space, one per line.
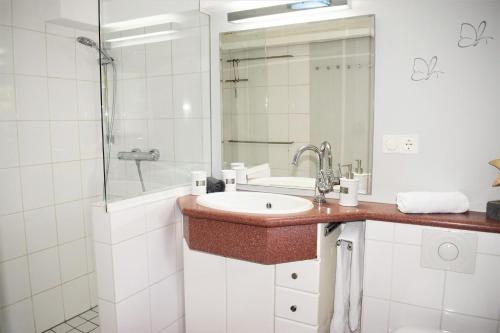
pixel 423 70
pixel 471 36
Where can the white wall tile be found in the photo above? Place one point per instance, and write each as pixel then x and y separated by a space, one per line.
pixel 73 257
pixel 7 95
pixel 133 314
pixel 6 58
pixel 107 312
pixel 44 270
pixel 457 323
pixel 299 99
pixel 34 142
pixel 413 284
pixel 160 102
pixel 32 100
pixel 76 296
pixel 130 267
pixel 28 14
pixel 8 145
pixel 127 223
pixel 382 231
pixel 67 182
pixel 41 229
pixel 90 139
pixel 161 137
pixel 29 52
pixel 89 100
pixel 18 318
pixel 488 243
pixel 159 58
pixel 180 253
pixel 37 186
pixel 407 233
pixel 188 140
pixel 299 130
pixel 278 129
pixel 133 62
pixel 160 213
pixel 277 72
pixel 12 240
pixel 70 225
pixel 177 327
pixel 402 315
pixel 14 279
pixel 104 269
pixel 278 99
pixel 378 269
pixel 133 100
pixel 62 99
pixel 164 303
pixel 10 191
pixel 5 12
pixel 475 294
pixel 59 30
pixel 87 63
pixel 93 289
pixel 186 53
pixel 187 95
pixel 48 308
pixel 92 178
pixel 65 141
pixel 61 57
pixel 375 315
pixel 162 258
pixel 299 70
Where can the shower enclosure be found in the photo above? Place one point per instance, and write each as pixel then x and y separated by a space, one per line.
pixel 155 95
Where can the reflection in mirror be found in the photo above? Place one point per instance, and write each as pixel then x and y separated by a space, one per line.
pixel 289 86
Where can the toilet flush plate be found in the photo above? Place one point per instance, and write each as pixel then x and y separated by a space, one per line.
pixel 449 250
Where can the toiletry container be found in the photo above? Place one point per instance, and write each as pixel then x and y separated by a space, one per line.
pixel 362 177
pixel 198 182
pixel 229 179
pixel 349 188
pixel 241 172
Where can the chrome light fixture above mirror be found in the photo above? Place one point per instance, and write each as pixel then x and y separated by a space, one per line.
pixel 264 13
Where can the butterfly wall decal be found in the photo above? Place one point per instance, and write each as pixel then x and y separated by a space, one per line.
pixel 423 70
pixel 471 36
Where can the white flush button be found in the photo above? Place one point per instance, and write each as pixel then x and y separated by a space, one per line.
pixel 448 251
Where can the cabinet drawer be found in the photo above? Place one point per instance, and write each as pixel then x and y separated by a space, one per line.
pixel 288 326
pixel 297 305
pixel 301 275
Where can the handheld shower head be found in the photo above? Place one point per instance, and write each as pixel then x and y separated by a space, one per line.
pixel 87 42
pixel 91 43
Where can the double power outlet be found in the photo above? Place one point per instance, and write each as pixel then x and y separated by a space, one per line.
pixel 400 144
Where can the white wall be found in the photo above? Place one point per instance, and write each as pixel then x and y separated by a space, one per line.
pixel 50 169
pixel 398 291
pixel 139 264
pixel 455 115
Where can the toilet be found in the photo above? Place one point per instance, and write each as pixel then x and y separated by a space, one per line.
pixel 419 330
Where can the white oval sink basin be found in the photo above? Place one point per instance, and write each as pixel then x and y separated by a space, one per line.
pixel 255 202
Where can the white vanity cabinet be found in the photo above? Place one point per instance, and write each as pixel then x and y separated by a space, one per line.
pixel 224 295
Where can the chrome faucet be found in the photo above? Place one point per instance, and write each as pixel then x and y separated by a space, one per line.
pixel 325 178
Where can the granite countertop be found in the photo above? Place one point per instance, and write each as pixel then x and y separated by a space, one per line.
pixel 274 239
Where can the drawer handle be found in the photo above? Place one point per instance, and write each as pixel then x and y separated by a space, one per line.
pixel 293 308
pixel 295 276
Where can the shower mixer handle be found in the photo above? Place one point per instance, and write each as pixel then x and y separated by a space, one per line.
pixel 139 155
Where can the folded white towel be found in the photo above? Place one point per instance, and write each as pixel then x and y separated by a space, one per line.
pixel 432 202
pixel 259 171
pixel 349 279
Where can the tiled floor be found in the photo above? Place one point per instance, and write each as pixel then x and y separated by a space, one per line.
pixel 83 323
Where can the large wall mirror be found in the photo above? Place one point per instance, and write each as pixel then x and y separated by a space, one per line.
pixel 288 86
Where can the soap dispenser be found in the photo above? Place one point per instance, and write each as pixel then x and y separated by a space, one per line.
pixel 362 177
pixel 349 188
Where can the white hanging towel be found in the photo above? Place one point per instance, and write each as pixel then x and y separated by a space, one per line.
pixel 349 279
pixel 259 171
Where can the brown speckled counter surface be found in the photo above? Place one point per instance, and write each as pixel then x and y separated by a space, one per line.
pixel 271 239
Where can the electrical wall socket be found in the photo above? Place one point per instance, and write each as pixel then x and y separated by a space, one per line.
pixel 400 144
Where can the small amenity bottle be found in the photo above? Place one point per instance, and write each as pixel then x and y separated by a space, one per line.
pixel 229 179
pixel 198 182
pixel 363 178
pixel 349 188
